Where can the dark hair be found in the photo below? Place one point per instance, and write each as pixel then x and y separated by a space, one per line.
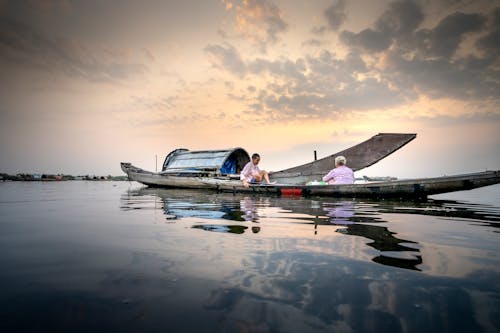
pixel 254 156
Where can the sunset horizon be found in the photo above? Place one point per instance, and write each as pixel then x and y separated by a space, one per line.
pixel 89 84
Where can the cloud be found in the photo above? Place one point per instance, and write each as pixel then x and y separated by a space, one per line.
pixel 281 68
pixel 368 40
pixel 161 103
pixel 398 22
pixel 489 43
pixel 22 45
pixel 437 61
pixel 335 15
pixel 399 28
pixel 390 64
pixel 258 20
pixel 464 79
pixel 149 55
pixel 313 42
pixel 312 87
pixel 226 58
pixel 400 19
pixel 434 67
pixel 321 102
pixel 447 121
pixel 445 38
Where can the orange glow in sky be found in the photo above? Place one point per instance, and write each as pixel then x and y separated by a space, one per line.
pixel 86 85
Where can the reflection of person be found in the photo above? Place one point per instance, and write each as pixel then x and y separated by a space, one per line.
pixel 251 172
pixel 340 214
pixel 341 174
pixel 248 209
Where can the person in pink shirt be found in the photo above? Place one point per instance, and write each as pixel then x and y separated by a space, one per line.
pixel 341 174
pixel 251 172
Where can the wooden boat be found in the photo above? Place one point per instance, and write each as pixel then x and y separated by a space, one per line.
pixel 219 170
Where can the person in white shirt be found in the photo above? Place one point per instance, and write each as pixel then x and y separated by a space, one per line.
pixel 252 174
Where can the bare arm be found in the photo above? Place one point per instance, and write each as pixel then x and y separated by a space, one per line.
pixel 329 175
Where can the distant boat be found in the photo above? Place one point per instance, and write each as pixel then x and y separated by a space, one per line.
pixel 378 179
pixel 219 170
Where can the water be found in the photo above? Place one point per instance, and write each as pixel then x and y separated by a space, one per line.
pixel 117 257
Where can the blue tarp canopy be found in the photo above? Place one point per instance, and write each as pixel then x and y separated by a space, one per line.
pixel 227 161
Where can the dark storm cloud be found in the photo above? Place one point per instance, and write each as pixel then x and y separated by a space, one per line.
pixel 22 45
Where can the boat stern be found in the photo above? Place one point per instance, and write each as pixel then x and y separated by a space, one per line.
pixel 125 166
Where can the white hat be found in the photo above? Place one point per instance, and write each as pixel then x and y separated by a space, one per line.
pixel 340 159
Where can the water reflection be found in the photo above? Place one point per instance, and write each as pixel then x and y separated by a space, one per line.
pixel 340 213
pixel 365 219
pixel 207 204
pixel 91 257
pixel 393 250
pixel 249 210
pixel 234 229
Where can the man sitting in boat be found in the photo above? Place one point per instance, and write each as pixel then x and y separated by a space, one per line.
pixel 251 173
pixel 341 174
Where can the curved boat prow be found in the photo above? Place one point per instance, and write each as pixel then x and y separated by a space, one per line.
pixel 358 157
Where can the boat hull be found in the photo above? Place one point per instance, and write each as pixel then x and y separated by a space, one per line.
pixel 414 188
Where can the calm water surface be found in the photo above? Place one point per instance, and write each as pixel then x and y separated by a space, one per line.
pixel 118 257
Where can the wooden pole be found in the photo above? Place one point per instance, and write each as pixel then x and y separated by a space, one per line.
pixel 315 156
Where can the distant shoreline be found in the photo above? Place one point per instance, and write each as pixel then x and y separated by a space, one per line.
pixel 59 177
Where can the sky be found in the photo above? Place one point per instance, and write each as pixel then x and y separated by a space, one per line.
pixel 85 85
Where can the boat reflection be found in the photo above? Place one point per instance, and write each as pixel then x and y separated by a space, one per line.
pixel 340 213
pixel 393 252
pixel 234 229
pixel 250 214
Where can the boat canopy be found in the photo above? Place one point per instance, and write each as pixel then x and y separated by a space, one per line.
pixel 227 161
